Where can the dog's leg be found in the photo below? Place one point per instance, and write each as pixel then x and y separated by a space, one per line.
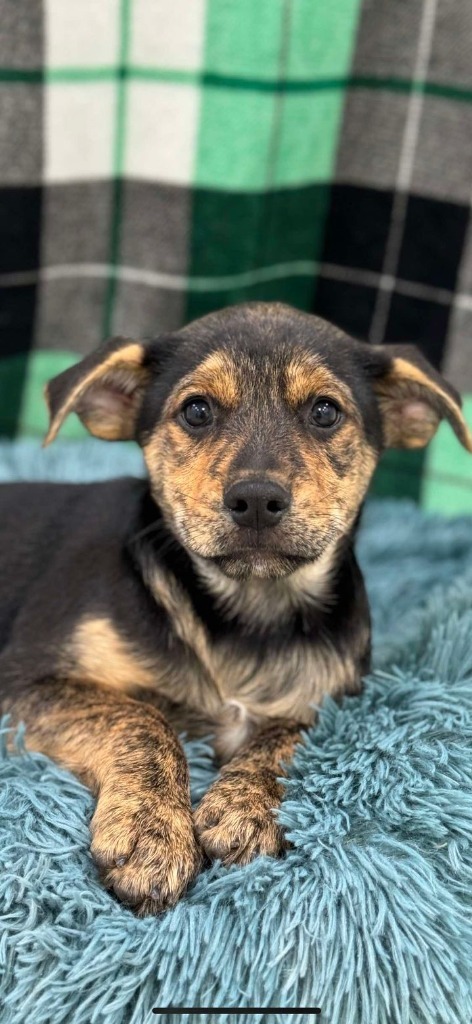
pixel 142 830
pixel 235 819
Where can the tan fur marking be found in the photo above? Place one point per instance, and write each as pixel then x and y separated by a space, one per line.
pixel 306 377
pixel 184 486
pixel 181 467
pixel 123 357
pixel 325 503
pixel 216 377
pixel 101 655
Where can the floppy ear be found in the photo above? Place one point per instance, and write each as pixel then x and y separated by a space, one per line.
pixel 105 390
pixel 413 397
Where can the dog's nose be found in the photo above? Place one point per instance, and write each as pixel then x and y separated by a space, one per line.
pixel 256 503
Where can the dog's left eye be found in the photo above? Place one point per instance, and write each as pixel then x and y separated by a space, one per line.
pixel 197 413
pixel 324 413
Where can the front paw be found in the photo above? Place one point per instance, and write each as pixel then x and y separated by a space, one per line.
pixel 146 848
pixel 236 818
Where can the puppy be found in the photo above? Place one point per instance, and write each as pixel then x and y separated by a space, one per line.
pixel 220 596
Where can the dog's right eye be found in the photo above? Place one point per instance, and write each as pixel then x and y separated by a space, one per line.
pixel 197 413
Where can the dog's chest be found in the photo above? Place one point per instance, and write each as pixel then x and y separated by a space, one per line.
pixel 232 681
pixel 234 691
pixel 237 677
pixel 256 686
pixel 221 686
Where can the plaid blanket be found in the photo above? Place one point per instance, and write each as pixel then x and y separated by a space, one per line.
pixel 162 158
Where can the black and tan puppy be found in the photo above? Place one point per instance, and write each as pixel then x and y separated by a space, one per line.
pixel 222 595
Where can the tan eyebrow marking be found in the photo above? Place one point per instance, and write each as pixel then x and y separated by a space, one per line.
pixel 305 377
pixel 216 377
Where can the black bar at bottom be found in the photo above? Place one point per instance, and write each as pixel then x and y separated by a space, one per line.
pixel 232 1009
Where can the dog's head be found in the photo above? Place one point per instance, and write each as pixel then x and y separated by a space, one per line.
pixel 261 427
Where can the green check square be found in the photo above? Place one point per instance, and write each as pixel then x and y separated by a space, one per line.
pixel 399 475
pixel 244 37
pixel 237 232
pixel 321 38
pixel 307 138
pixel 447 482
pixel 248 246
pixel 28 375
pixel 235 139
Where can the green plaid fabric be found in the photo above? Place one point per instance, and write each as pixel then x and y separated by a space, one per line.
pixel 161 159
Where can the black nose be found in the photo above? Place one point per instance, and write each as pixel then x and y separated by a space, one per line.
pixel 256 503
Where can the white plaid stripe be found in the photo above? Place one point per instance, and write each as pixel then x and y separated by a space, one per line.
pixel 404 175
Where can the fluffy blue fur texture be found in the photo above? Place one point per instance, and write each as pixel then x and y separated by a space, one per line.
pixel 367 917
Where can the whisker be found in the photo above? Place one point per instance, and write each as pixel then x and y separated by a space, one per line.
pixel 327 517
pixel 199 501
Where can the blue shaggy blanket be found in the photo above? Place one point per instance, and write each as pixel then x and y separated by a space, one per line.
pixel 368 916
